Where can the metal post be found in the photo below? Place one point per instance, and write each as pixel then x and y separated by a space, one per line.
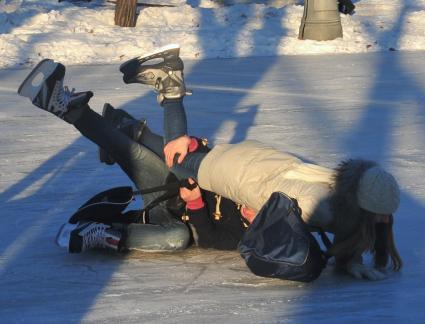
pixel 321 20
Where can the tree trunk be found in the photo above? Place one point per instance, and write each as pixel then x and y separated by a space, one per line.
pixel 125 13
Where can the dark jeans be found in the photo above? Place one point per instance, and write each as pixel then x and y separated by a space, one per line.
pixel 144 165
pixel 175 125
pixel 175 122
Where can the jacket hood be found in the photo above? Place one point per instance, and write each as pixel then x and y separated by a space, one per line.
pixel 344 202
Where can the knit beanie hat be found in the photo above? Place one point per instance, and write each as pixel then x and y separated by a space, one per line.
pixel 378 191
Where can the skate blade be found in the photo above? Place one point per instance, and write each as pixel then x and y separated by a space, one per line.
pixel 64 234
pixel 34 81
pixel 159 53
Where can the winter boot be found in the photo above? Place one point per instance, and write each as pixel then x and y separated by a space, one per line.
pixel 166 76
pixel 125 123
pixel 44 87
pixel 346 7
pixel 83 236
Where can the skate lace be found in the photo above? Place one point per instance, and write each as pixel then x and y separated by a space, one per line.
pixel 95 237
pixel 63 97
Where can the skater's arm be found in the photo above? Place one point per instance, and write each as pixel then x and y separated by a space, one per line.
pixel 224 234
pixel 353 265
pixel 355 268
pixel 176 150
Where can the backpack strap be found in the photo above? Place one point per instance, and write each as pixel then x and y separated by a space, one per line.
pixel 171 190
pixel 325 239
pixel 169 187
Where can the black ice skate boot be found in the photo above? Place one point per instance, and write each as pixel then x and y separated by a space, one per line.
pixel 83 236
pixel 120 119
pixel 166 76
pixel 44 87
pixel 346 7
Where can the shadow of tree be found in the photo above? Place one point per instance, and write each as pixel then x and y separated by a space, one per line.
pixel 370 128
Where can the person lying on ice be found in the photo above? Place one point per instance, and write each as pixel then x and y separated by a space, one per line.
pixel 215 222
pixel 355 201
pixel 340 201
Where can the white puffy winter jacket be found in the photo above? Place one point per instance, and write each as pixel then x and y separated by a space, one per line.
pixel 250 171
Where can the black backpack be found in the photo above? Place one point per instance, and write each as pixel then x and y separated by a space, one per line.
pixel 278 243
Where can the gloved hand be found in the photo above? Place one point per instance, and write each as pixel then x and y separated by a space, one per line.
pixel 359 271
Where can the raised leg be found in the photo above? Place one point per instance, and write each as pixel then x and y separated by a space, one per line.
pixel 44 87
pixel 166 76
pixel 144 168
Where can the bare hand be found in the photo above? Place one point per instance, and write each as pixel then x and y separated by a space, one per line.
pixel 190 195
pixel 178 146
pixel 248 213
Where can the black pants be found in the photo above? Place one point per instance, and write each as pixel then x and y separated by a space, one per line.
pixel 143 163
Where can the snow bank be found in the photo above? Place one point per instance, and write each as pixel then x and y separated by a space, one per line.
pixel 84 33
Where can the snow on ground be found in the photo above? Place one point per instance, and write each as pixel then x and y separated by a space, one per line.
pixel 324 108
pixel 367 102
pixel 81 32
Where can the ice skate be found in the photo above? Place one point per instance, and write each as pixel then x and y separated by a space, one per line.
pixel 163 70
pixel 44 87
pixel 125 123
pixel 81 237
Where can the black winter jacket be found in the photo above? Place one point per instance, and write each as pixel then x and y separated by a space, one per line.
pixel 218 225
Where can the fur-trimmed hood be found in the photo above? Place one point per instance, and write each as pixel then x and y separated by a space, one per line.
pixel 344 202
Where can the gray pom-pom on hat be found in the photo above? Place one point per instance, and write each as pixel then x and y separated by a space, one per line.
pixel 378 191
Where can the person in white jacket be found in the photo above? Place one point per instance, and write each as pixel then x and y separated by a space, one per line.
pixel 355 201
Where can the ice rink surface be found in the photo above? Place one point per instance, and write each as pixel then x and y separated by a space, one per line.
pixel 323 108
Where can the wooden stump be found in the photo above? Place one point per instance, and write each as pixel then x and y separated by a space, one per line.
pixel 125 13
